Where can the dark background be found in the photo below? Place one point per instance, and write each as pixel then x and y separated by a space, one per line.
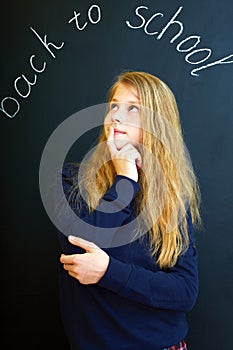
pixel 79 77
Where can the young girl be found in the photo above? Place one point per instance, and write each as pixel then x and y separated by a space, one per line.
pixel 135 294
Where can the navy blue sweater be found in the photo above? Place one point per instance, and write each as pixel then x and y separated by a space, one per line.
pixel 135 305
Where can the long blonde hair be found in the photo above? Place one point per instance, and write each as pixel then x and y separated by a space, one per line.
pixel 161 138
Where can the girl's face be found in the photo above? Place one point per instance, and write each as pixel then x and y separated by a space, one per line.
pixel 124 116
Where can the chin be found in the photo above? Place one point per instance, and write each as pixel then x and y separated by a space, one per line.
pixel 121 143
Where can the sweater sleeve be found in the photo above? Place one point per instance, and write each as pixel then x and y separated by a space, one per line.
pixel 112 212
pixel 175 289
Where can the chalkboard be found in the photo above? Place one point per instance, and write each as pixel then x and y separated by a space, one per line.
pixel 59 57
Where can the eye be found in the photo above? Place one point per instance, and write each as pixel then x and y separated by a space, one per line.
pixel 113 106
pixel 133 108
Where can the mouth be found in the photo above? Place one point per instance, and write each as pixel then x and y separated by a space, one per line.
pixel 119 132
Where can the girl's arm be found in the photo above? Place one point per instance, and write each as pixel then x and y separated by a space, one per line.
pixel 112 212
pixel 175 289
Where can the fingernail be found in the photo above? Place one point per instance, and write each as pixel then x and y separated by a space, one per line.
pixel 72 237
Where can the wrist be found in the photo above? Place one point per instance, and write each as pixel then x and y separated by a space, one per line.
pixel 131 176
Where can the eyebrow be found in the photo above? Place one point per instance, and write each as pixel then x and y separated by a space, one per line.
pixel 134 102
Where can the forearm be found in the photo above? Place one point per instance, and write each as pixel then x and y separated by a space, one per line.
pixel 173 290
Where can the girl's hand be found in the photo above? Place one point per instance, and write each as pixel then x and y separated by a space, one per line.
pixel 87 268
pixel 126 160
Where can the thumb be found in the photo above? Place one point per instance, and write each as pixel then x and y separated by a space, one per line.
pixel 82 243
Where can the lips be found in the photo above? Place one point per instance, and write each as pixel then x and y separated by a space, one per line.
pixel 119 132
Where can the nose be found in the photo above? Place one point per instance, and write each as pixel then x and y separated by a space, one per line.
pixel 119 116
pixel 115 118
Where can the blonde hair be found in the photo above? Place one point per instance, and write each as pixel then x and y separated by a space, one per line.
pixel 161 138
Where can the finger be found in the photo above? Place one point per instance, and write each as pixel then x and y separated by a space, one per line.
pixel 69 267
pixel 135 157
pixel 126 147
pixel 139 160
pixel 110 134
pixel 110 141
pixel 138 164
pixel 67 259
pixel 129 147
pixel 73 274
pixel 129 151
pixel 82 243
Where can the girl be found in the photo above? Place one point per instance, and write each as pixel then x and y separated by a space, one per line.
pixel 135 294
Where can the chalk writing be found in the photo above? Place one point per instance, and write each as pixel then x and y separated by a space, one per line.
pixel 29 84
pixel 6 108
pixel 90 17
pixel 47 45
pixel 190 46
pixel 10 106
pixel 10 112
pixel 13 113
pixel 36 69
pixel 190 56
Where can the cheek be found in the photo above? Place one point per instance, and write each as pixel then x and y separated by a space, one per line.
pixel 138 131
pixel 135 133
pixel 139 135
pixel 135 129
pixel 106 120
